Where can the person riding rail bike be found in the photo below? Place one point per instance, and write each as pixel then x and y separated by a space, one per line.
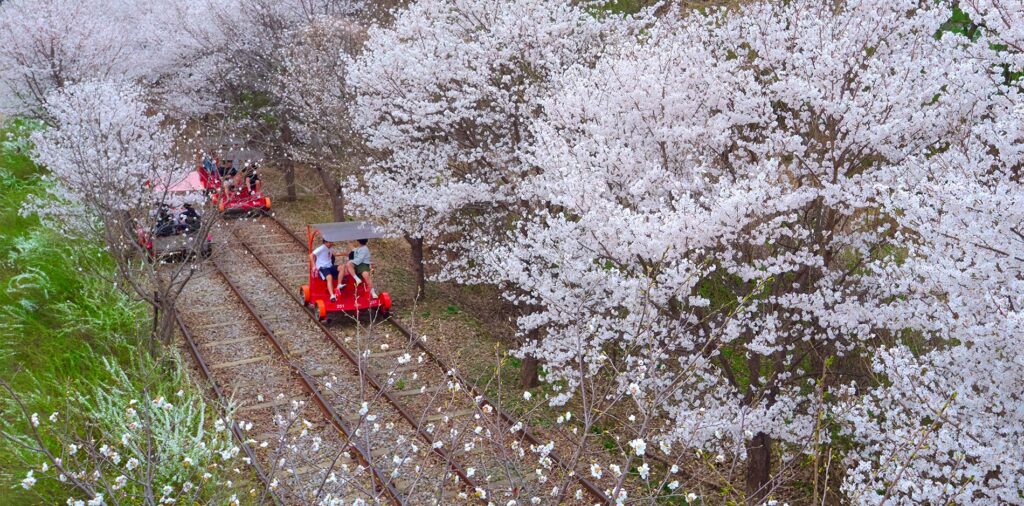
pixel 323 262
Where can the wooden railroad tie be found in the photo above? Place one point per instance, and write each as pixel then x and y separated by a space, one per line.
pixel 451 415
pixel 275 244
pixel 506 483
pixel 417 391
pixel 223 342
pixel 253 360
pixel 209 326
pixel 318 466
pixel 263 405
pixel 389 353
pixel 295 264
pixel 294 429
pixel 408 368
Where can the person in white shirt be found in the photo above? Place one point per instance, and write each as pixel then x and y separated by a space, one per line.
pixel 322 259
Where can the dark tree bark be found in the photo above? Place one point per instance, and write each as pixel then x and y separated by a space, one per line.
pixel 528 373
pixel 289 181
pixel 759 466
pixel 335 191
pixel 416 256
pixel 289 165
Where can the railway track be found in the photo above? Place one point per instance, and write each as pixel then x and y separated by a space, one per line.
pixel 418 473
pixel 425 400
pixel 299 446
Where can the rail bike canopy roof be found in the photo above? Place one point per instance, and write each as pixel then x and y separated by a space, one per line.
pixel 193 182
pixel 348 231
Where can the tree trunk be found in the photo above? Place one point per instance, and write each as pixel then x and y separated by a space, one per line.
pixel 416 246
pixel 335 191
pixel 528 372
pixel 759 466
pixel 154 333
pixel 289 181
pixel 289 164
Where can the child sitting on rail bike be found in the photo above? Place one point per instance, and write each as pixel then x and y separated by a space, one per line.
pixel 251 177
pixel 322 259
pixel 358 265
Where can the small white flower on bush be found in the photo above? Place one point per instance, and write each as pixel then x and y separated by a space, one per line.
pixel 29 481
pixel 596 471
pixel 639 446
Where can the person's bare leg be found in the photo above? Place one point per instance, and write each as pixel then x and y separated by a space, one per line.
pixel 350 268
pixel 259 185
pixel 368 281
pixel 330 281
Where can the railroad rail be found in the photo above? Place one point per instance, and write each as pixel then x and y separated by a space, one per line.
pixel 236 430
pixel 328 461
pixel 417 472
pixel 403 401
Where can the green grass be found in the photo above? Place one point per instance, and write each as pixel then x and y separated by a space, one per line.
pixel 60 317
pixel 55 323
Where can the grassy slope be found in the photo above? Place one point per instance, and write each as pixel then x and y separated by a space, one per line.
pixel 54 323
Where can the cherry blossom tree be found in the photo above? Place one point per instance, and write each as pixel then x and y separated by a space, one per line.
pixel 252 65
pixel 445 96
pixel 111 167
pixel 943 427
pixel 716 220
pixel 47 44
pixel 314 87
